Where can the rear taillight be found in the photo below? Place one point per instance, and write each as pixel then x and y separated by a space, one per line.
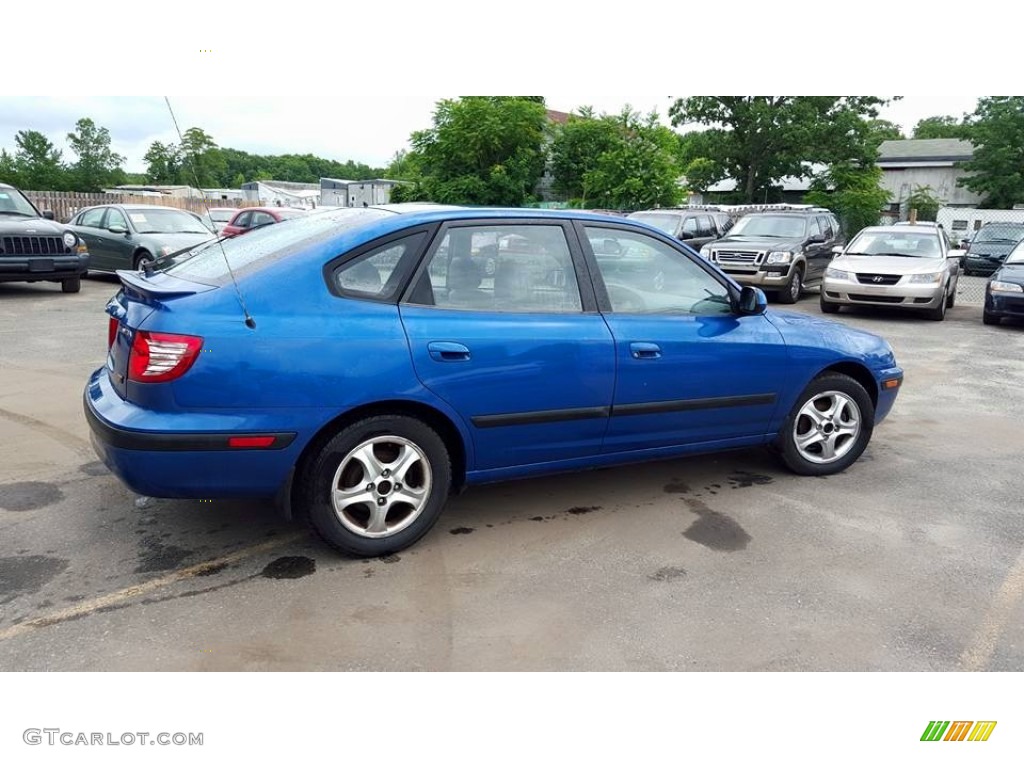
pixel 111 331
pixel 157 357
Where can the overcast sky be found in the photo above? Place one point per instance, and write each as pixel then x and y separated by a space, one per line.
pixel 368 129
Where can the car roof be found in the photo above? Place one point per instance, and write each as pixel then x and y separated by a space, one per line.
pixel 903 229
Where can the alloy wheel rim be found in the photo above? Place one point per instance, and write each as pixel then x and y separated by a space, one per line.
pixel 381 487
pixel 827 427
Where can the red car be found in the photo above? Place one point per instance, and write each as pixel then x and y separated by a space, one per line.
pixel 250 218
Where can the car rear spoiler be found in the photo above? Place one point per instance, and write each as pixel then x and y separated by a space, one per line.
pixel 159 286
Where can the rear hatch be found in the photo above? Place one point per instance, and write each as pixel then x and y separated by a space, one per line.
pixel 140 296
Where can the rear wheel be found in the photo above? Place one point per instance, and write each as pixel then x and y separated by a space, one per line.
pixel 377 487
pixel 791 293
pixel 829 427
pixel 71 284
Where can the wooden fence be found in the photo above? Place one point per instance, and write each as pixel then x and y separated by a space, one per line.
pixel 66 204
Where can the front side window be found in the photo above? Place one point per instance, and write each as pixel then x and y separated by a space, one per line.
pixel 643 275
pixel 116 219
pixel 513 268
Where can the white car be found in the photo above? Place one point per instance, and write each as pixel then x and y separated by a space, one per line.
pixel 910 266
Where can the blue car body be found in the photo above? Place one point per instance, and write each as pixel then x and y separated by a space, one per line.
pixel 512 394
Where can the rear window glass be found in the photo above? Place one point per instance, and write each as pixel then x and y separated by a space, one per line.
pixel 208 263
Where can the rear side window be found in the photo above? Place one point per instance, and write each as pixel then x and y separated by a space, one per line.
pixel 378 274
pixel 208 263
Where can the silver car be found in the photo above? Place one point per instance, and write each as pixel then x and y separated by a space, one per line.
pixel 910 266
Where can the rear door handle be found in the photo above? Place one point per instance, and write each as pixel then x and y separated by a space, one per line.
pixel 644 350
pixel 448 351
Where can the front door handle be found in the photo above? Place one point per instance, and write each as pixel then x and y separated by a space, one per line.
pixel 448 351
pixel 644 350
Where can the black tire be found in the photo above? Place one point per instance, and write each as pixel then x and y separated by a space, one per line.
pixel 939 313
pixel 791 293
pixel 316 484
pixel 951 299
pixel 989 319
pixel 851 449
pixel 140 257
pixel 827 307
pixel 71 284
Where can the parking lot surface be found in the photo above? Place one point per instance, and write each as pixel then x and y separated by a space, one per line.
pixel 910 560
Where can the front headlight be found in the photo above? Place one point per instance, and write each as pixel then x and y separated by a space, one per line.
pixel 837 274
pixel 70 240
pixel 779 257
pixel 998 286
pixel 928 277
pixel 165 250
pixel 705 251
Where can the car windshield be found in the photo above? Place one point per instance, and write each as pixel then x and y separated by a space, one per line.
pixel 770 226
pixel 13 203
pixel 999 233
pixel 1016 256
pixel 209 262
pixel 906 243
pixel 222 216
pixel 157 221
pixel 666 222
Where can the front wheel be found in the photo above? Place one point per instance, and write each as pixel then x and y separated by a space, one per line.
pixel 140 259
pixel 71 284
pixel 791 293
pixel 939 313
pixel 377 487
pixel 989 319
pixel 829 427
pixel 827 307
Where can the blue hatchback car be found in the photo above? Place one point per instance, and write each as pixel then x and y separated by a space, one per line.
pixel 360 365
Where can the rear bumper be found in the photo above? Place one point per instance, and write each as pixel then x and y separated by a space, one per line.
pixel 158 454
pixel 22 268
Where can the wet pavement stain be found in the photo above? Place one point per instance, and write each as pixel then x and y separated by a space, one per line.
pixel 714 530
pixel 668 573
pixel 23 497
pixel 677 486
pixel 581 510
pixel 157 556
pixel 289 568
pixel 74 598
pixel 537 519
pixel 367 573
pixel 461 530
pixel 27 574
pixel 741 479
pixel 210 570
pixel 94 469
pixel 390 558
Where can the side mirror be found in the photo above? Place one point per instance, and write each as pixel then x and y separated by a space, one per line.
pixel 117 229
pixel 49 215
pixel 956 253
pixel 837 250
pixel 819 238
pixel 686 235
pixel 752 301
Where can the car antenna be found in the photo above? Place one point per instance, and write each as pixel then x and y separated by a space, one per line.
pixel 249 322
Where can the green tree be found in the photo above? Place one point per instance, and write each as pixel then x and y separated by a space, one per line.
pixel 38 163
pixel 939 127
pixel 884 130
pixel 577 147
pixel 925 202
pixel 98 166
pixel 760 139
pixel 8 169
pixel 162 162
pixel 996 128
pixel 481 150
pixel 640 170
pixel 853 192
pixel 202 164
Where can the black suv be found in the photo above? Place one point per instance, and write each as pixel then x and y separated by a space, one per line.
pixel 34 247
pixel 989 246
pixel 783 249
pixel 694 226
